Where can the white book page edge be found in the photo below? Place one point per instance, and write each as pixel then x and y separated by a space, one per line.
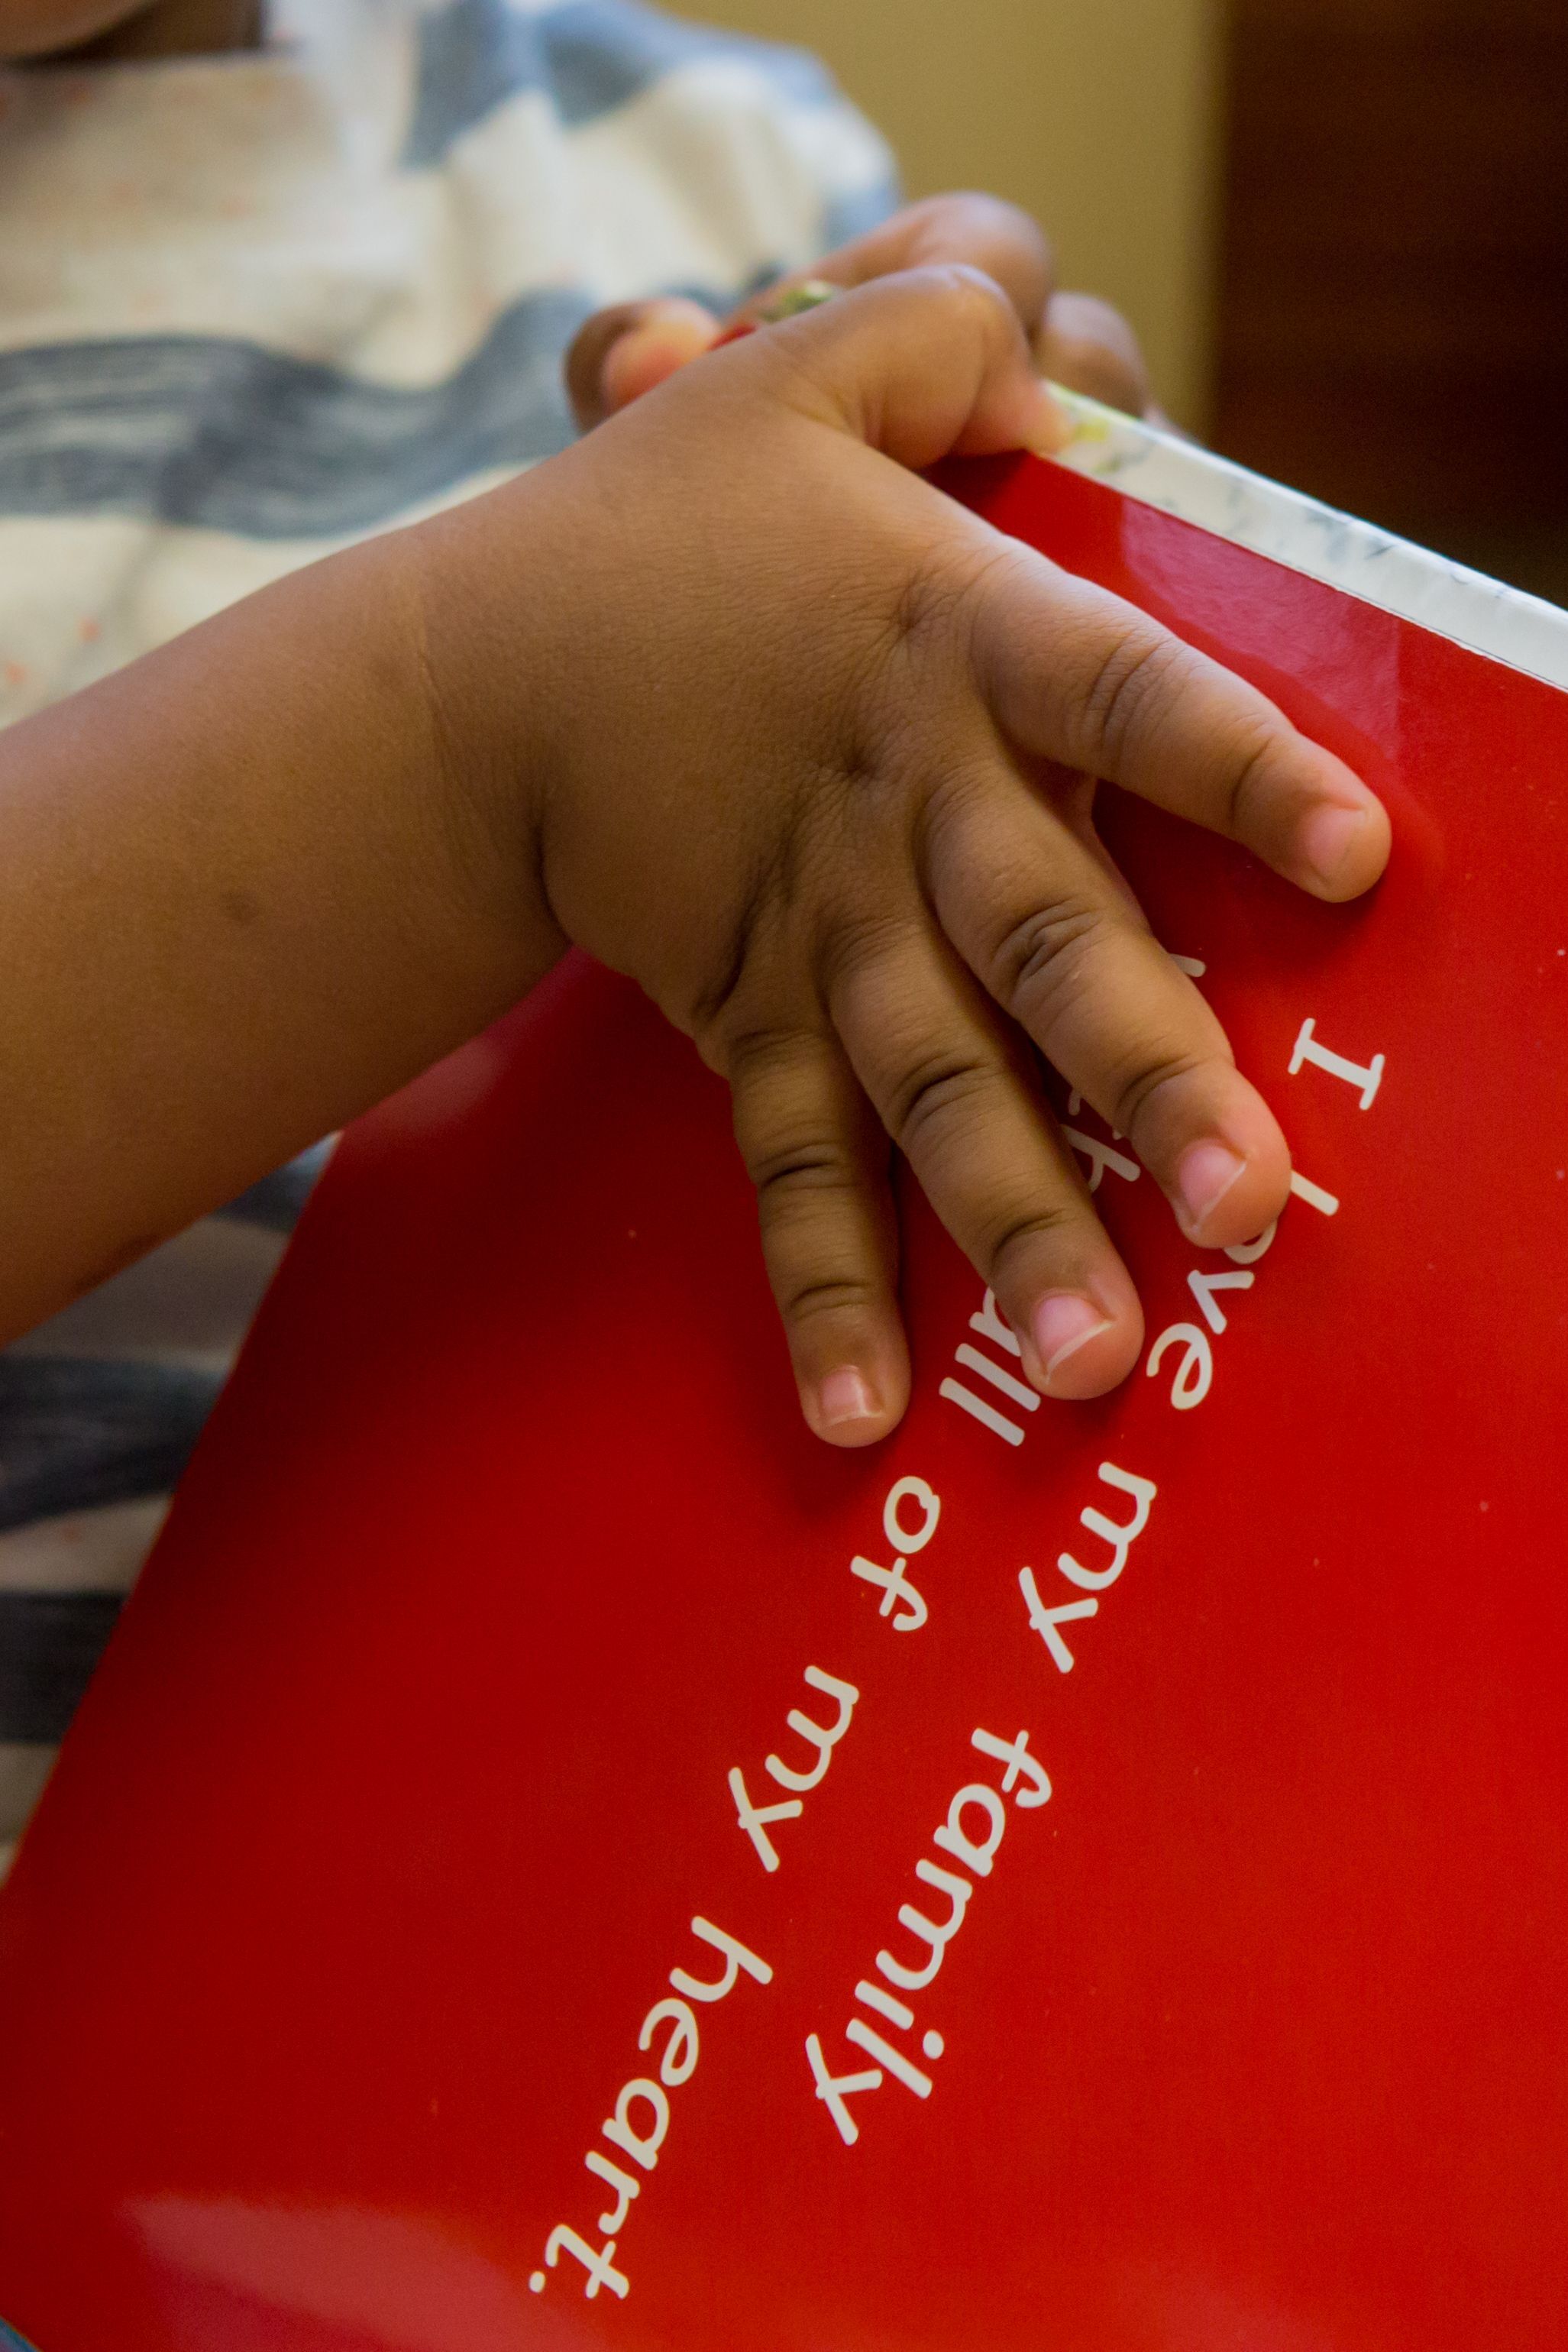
pixel 1160 470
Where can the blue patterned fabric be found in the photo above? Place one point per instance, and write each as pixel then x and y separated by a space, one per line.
pixel 546 159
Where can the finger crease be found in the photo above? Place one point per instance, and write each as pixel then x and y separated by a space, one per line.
pixel 1137 1094
pixel 1039 1224
pixel 1119 692
pixel 827 1297
pixel 1041 951
pixel 821 1169
pixel 928 1095
pixel 711 1004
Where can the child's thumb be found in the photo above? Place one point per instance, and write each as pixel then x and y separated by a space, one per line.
pixel 923 365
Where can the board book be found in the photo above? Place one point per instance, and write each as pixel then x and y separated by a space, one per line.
pixel 557 1859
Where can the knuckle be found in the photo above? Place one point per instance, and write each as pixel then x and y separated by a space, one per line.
pixel 1136 1088
pixel 931 1093
pixel 753 1060
pixel 959 821
pixel 927 603
pixel 815 1296
pixel 1040 959
pixel 776 1101
pixel 716 1004
pixel 924 659
pixel 978 303
pixel 986 223
pixel 935 602
pixel 1010 1231
pixel 858 961
pixel 799 1174
pixel 969 204
pixel 1001 219
pixel 1130 678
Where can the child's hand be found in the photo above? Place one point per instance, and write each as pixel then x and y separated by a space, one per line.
pixel 1077 339
pixel 731 696
pixel 810 744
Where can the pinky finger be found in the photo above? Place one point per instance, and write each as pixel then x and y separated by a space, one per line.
pixel 821 1162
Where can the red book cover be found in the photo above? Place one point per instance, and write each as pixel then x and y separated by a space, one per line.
pixel 556 1858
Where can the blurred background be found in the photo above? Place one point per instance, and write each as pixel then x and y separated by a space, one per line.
pixel 1340 226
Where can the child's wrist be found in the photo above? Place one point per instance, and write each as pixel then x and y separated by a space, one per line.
pixel 483 747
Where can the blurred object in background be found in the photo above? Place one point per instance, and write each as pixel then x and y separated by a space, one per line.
pixel 1097 116
pixel 1393 279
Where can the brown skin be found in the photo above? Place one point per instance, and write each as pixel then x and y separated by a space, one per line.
pixel 1077 339
pixel 95 32
pixel 731 697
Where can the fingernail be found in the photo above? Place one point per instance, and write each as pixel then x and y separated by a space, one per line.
pixel 1327 839
pixel 1204 1173
pixel 1062 1324
pixel 844 1395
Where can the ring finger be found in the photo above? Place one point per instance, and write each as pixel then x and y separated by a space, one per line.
pixel 963 1105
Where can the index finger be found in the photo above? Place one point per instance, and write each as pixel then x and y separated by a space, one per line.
pixel 1075 674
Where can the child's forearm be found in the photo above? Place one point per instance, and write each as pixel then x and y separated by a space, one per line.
pixel 245 891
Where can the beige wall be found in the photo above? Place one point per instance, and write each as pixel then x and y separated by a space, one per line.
pixel 1098 115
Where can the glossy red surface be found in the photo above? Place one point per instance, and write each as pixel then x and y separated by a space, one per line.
pixel 386 1821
